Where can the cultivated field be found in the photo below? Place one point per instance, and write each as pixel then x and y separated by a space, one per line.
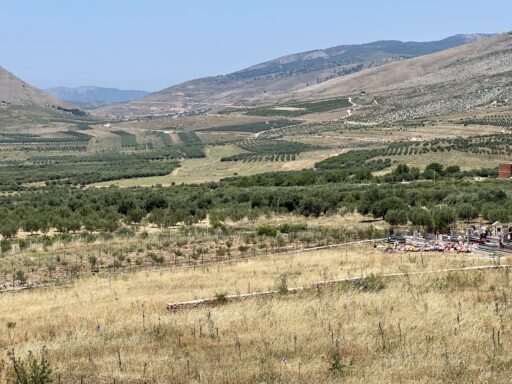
pixel 211 168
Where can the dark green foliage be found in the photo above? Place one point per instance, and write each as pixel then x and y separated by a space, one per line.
pixel 64 137
pixel 20 277
pixel 421 217
pixel 303 108
pixel 396 216
pixel 308 193
pixel 220 297
pixel 496 120
pixel 76 173
pixel 443 218
pixel 494 144
pixel 338 366
pixel 266 230
pixel 292 228
pixel 251 127
pixel 189 138
pixel 5 246
pixel 78 136
pixel 166 139
pixel 128 140
pixel 83 126
pixel 8 226
pixel 354 162
pixel 268 150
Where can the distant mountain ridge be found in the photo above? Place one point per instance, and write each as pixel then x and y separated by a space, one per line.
pixel 91 96
pixel 282 75
pixel 350 54
pixel 469 76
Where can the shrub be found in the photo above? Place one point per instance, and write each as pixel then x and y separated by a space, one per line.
pixel 31 370
pixel 266 230
pixel 5 246
pixel 20 276
pixel 292 228
pixel 371 283
pixel 220 297
pixel 338 366
pixel 282 284
pixel 156 258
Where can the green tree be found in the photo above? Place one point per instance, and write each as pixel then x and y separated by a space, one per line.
pixel 466 211
pixel 135 215
pixel 5 246
pixel 8 228
pixel 396 217
pixel 420 216
pixel 443 217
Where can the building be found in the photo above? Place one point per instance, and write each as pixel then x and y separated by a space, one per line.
pixel 505 171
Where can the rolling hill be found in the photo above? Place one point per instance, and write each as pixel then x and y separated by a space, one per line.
pixel 16 92
pixel 91 97
pixel 281 76
pixel 455 80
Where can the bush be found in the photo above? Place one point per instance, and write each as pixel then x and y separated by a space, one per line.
pixel 5 246
pixel 30 370
pixel 292 228
pixel 266 230
pixel 396 217
pixel 220 297
pixel 156 258
pixel 282 284
pixel 338 366
pixel 371 283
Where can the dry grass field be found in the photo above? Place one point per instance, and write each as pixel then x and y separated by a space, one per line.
pixel 446 327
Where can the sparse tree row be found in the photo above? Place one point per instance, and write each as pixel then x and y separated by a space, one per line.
pixel 269 150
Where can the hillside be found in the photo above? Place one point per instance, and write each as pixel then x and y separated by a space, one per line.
pixel 91 97
pixel 282 75
pixel 16 92
pixel 454 80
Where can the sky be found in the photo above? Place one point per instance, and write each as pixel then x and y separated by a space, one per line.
pixel 152 44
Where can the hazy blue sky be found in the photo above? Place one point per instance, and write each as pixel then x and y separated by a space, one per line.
pixel 152 44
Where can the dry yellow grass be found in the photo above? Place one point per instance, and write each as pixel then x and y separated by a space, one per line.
pixel 103 328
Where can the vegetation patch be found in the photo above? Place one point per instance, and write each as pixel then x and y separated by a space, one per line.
pixel 251 127
pixel 269 150
pixel 128 140
pixel 301 108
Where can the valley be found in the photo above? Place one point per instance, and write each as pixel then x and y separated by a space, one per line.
pixel 256 227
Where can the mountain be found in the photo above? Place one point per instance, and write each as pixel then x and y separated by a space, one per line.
pixel 90 97
pixel 282 75
pixel 16 92
pixel 469 76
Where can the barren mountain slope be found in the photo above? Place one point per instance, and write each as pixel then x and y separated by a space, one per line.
pixel 280 76
pixel 483 57
pixel 478 74
pixel 14 91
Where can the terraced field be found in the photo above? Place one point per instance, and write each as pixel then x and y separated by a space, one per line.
pixel 302 108
pixel 269 150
